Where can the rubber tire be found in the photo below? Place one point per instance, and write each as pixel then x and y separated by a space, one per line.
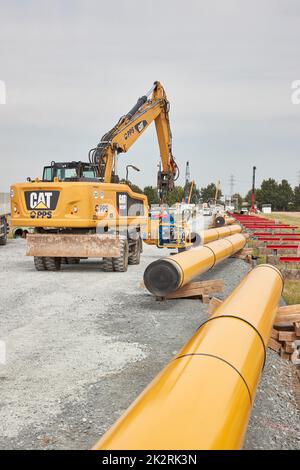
pixel 107 265
pixel 121 264
pixel 3 240
pixel 135 255
pixel 52 263
pixel 73 260
pixel 39 263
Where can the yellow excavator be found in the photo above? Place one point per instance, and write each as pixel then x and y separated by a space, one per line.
pixel 81 210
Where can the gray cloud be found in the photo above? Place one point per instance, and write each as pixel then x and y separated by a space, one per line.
pixel 72 68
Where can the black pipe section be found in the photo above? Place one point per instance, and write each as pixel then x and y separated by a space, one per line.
pixel 162 277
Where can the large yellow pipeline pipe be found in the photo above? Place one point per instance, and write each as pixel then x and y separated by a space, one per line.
pixel 229 220
pixel 213 234
pixel 202 399
pixel 166 275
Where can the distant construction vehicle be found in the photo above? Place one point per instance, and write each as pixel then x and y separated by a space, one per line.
pixel 3 229
pixel 80 210
pixel 4 213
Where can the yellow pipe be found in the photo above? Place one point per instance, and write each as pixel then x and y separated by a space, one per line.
pixel 213 234
pixel 166 275
pixel 202 399
pixel 229 220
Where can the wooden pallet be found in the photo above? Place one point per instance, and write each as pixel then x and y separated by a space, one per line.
pixel 196 290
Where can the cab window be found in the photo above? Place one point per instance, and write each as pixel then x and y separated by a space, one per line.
pixel 66 173
pixel 88 172
pixel 47 176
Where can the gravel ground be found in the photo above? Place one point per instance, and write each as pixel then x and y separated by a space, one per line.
pixel 82 344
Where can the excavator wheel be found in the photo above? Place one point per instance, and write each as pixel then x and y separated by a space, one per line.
pixel 135 253
pixel 3 239
pixel 107 265
pixel 39 263
pixel 52 263
pixel 120 264
pixel 72 260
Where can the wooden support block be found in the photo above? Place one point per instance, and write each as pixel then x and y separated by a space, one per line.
pixel 244 254
pixel 196 290
pixel 287 318
pixel 289 309
pixel 274 334
pixel 289 347
pixel 297 329
pixel 287 326
pixel 213 305
pixel 285 355
pixel 286 336
pixel 274 345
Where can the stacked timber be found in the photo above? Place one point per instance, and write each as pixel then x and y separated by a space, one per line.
pixel 285 335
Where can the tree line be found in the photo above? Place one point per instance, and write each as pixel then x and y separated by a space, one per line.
pixel 281 195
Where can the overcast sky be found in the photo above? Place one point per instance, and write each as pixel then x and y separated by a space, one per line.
pixel 72 68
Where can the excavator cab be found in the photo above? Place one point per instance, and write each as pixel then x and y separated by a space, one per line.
pixel 70 171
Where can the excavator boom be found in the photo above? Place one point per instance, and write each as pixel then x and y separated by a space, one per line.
pixel 129 128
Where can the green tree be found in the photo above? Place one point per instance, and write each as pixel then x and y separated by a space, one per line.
pixel 297 198
pixel 285 196
pixel 151 193
pixel 237 200
pixel 280 195
pixel 269 193
pixel 176 195
pixel 196 196
pixel 209 192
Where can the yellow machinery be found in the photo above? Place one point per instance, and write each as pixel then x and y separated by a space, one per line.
pixel 86 199
pixel 202 399
pixel 190 192
pixel 166 275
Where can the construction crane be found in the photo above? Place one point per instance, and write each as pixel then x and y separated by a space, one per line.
pixel 80 210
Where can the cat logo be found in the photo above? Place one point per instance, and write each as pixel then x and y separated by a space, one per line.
pixel 140 126
pixel 41 200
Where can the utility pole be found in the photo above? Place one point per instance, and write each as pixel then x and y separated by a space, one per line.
pixel 252 209
pixel 231 183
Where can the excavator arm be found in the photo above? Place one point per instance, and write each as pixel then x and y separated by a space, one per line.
pixel 129 128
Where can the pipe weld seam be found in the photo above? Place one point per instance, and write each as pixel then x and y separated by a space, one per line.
pixel 223 360
pixel 215 259
pixel 248 323
pixel 232 245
